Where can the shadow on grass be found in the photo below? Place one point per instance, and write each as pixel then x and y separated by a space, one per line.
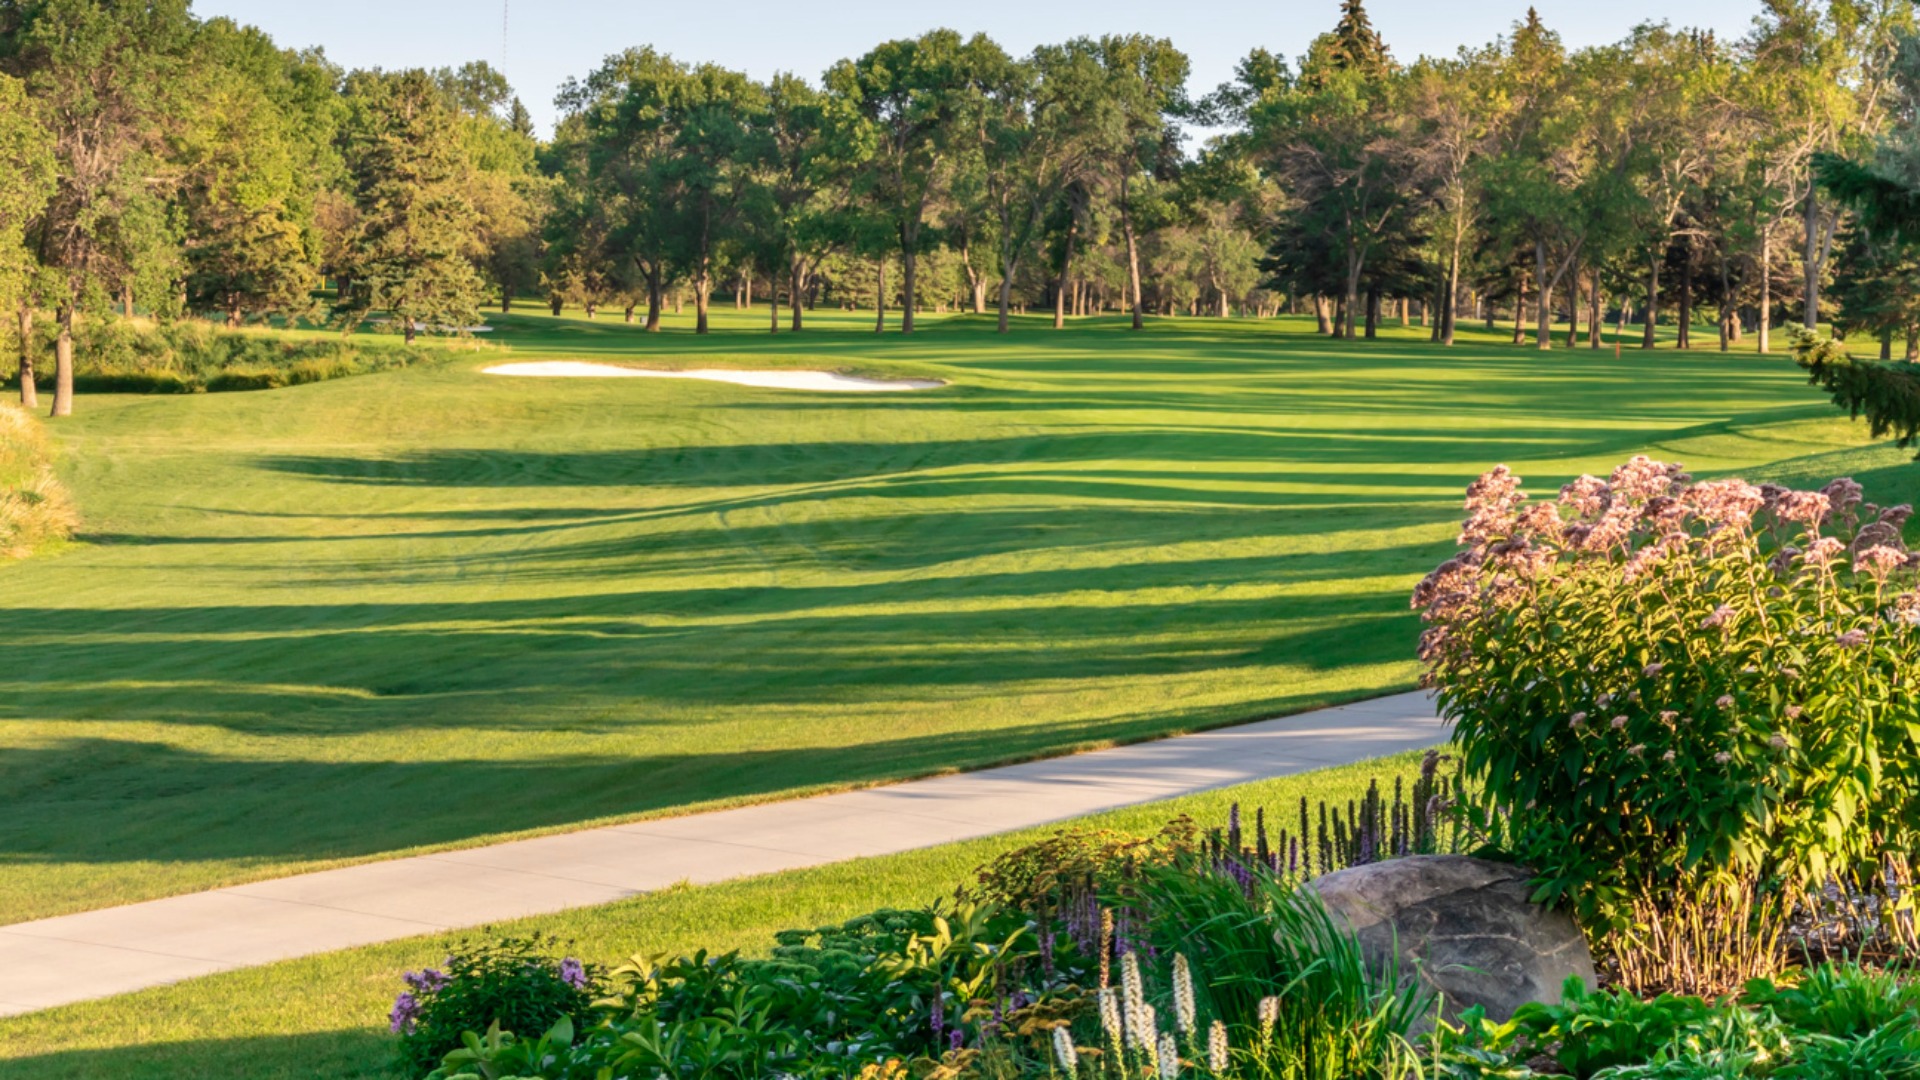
pixel 354 1054
pixel 307 796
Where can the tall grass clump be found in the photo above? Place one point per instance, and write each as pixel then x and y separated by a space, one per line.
pixel 1689 707
pixel 34 507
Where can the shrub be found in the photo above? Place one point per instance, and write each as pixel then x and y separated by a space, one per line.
pixel 1661 687
pixel 515 984
pixel 114 356
pixel 1817 1029
pixel 34 507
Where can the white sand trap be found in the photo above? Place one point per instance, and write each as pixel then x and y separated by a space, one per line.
pixel 773 380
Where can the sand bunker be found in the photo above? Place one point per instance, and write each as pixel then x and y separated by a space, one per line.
pixel 774 380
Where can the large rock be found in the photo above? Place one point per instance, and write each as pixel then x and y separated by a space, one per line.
pixel 1465 925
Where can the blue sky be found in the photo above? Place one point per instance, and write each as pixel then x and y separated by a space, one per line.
pixel 547 42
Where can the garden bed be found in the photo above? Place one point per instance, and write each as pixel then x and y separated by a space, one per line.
pixel 1682 705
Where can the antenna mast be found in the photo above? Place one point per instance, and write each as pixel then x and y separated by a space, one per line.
pixel 506 8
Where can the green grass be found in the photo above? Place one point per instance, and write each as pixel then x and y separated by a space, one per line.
pixel 321 1018
pixel 433 607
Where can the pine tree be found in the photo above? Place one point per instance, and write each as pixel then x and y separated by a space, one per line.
pixel 411 257
pixel 1355 45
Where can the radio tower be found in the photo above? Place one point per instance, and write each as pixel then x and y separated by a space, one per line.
pixel 506 8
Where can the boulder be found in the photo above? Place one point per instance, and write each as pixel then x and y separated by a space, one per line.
pixel 1465 925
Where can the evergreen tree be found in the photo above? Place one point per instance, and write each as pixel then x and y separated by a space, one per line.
pixel 411 257
pixel 1354 45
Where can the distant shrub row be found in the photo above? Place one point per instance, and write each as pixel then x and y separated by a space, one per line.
pixel 187 358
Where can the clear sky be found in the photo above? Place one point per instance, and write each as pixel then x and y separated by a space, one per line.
pixel 546 42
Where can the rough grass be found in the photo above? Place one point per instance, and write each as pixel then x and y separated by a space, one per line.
pixel 34 508
pixel 432 607
pixel 322 1018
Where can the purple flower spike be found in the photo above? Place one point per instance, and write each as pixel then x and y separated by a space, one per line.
pixel 954 1040
pixel 406 1009
pixel 573 973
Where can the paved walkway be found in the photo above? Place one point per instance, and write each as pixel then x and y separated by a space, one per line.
pixel 115 950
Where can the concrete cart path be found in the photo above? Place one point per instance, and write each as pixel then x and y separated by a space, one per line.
pixel 115 950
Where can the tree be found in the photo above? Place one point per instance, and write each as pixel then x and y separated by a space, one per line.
pixel 907 100
pixel 1136 140
pixel 106 78
pixel 1449 104
pixel 617 135
pixel 717 144
pixel 252 155
pixel 27 179
pixel 413 255
pixel 1034 148
pixel 802 186
pixel 1332 140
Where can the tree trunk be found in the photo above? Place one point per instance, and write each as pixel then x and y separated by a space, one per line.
pixel 880 298
pixel 1886 344
pixel 909 240
pixel 1727 308
pixel 1006 299
pixel 773 306
pixel 797 285
pixel 653 299
pixel 63 359
pixel 1320 315
pixel 553 304
pixel 1810 316
pixel 406 321
pixel 1373 314
pixel 1647 339
pixel 1685 332
pixel 1913 344
pixel 1133 257
pixel 593 309
pixel 1450 300
pixel 702 297
pixel 29 394
pixel 1544 337
pixel 976 281
pixel 1066 264
pixel 1593 311
pixel 1573 309
pixel 1765 323
pixel 506 300
pixel 1520 312
pixel 627 315
pixel 126 301
pixel 1620 326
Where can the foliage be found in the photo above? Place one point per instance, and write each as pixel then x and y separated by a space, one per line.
pixel 1838 1022
pixel 185 357
pixel 1887 395
pixel 412 253
pixel 985 987
pixel 513 983
pixel 34 507
pixel 1662 685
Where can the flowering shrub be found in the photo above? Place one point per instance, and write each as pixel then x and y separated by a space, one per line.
pixel 1659 683
pixel 515 984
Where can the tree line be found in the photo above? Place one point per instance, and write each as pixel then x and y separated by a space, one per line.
pixel 157 162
